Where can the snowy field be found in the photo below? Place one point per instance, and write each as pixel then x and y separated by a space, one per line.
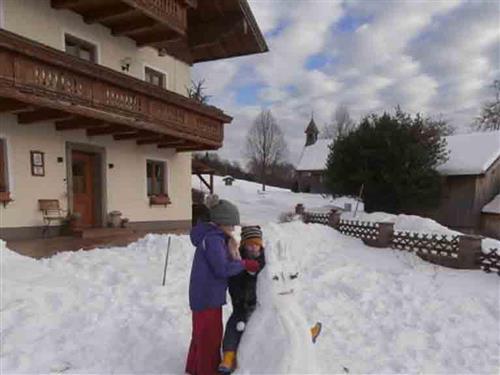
pixel 383 311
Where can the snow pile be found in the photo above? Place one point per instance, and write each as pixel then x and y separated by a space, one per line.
pixel 383 311
pixel 461 161
pixel 258 207
pixel 97 312
pixel 492 207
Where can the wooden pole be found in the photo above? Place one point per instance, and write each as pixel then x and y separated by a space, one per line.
pixel 359 198
pixel 166 261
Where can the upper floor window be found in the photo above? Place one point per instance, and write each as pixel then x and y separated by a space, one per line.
pixel 155 77
pixel 80 48
pixel 4 179
pixel 155 173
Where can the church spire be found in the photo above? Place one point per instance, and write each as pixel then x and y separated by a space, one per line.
pixel 312 132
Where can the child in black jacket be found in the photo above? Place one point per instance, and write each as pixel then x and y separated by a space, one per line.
pixel 242 289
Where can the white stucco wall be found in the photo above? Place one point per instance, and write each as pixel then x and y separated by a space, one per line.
pixel 37 20
pixel 126 182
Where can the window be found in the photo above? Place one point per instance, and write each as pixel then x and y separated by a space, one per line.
pixel 154 77
pixel 4 179
pixel 80 48
pixel 155 173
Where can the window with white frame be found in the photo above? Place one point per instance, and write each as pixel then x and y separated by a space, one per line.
pixel 156 172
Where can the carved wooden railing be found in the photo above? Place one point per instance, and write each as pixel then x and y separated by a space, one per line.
pixel 173 12
pixel 46 77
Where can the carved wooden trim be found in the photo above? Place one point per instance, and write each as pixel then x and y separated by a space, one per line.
pixel 39 75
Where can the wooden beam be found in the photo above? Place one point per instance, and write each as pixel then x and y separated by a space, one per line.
pixel 200 176
pixel 107 12
pixel 12 105
pixel 155 36
pixel 78 123
pixel 106 130
pixel 151 140
pixel 63 4
pixel 172 144
pixel 207 33
pixel 41 115
pixel 128 136
pixel 132 27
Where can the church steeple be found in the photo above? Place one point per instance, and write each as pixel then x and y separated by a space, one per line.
pixel 312 132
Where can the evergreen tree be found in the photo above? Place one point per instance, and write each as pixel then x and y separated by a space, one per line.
pixel 394 157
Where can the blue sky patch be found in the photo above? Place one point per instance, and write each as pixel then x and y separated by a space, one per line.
pixel 350 23
pixel 248 95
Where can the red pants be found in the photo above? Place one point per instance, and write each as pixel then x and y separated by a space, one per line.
pixel 204 351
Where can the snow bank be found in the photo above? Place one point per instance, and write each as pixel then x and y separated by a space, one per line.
pixel 412 223
pixel 383 311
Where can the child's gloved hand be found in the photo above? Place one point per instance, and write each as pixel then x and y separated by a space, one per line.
pixel 251 265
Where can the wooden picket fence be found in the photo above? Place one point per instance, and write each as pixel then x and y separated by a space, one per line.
pixel 455 251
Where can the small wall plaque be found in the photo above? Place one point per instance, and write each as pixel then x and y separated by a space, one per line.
pixel 37 163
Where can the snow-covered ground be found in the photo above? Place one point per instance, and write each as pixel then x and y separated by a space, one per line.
pixel 383 311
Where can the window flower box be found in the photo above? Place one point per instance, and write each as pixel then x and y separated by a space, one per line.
pixel 161 199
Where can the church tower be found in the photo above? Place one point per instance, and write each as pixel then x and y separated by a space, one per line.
pixel 312 132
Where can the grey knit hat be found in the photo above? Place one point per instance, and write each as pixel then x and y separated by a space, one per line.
pixel 222 212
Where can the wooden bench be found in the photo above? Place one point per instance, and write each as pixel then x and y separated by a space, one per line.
pixel 52 212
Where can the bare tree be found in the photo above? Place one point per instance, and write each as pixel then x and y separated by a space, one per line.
pixel 265 145
pixel 196 92
pixel 341 125
pixel 489 118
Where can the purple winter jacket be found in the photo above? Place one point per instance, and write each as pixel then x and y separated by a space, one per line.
pixel 211 267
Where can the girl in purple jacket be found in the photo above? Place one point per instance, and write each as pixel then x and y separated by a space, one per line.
pixel 215 260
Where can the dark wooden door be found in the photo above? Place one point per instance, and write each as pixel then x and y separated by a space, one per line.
pixel 83 187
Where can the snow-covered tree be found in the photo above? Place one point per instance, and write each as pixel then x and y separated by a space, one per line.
pixel 265 145
pixel 341 124
pixel 489 118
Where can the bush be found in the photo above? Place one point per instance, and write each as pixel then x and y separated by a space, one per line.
pixel 394 157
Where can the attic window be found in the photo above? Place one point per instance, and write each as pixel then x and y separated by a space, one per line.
pixel 155 77
pixel 80 48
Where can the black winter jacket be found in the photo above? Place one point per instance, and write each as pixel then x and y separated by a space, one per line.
pixel 243 287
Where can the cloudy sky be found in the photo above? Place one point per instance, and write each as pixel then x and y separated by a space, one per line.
pixel 434 57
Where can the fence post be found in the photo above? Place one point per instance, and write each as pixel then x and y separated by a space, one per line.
pixel 299 209
pixel 384 236
pixel 469 247
pixel 334 218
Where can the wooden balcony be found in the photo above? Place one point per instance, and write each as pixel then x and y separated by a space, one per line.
pixel 190 30
pixel 40 83
pixel 167 18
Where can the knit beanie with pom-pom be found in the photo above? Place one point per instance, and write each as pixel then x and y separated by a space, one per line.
pixel 222 212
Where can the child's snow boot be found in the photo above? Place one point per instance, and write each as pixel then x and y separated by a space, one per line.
pixel 315 331
pixel 228 363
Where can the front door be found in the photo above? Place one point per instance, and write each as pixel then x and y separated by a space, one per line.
pixel 83 186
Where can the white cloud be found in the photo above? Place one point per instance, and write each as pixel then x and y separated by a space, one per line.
pixel 435 57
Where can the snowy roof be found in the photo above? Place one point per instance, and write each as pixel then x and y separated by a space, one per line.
pixel 314 156
pixel 472 153
pixel 493 207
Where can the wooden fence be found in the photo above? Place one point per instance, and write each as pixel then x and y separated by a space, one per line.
pixel 454 251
